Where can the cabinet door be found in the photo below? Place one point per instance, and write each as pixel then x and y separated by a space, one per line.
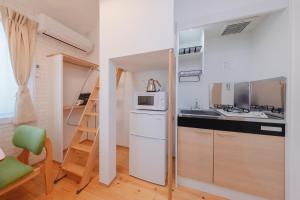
pixel 195 154
pixel 148 125
pixel 250 163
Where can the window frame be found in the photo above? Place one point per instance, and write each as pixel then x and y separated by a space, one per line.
pixel 5 120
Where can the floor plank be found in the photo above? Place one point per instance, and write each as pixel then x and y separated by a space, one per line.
pixel 124 187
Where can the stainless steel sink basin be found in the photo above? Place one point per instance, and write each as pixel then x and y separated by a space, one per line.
pixel 211 113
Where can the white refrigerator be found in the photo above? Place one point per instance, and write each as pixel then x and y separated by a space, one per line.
pixel 148 145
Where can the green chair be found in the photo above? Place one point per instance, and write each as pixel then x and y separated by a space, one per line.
pixel 16 171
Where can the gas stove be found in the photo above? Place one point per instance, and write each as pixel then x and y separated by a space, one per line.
pixel 258 108
pixel 255 111
pixel 231 108
pixel 267 108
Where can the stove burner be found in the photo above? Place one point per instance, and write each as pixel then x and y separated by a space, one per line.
pixel 231 108
pixel 272 109
pixel 260 108
pixel 237 110
pixel 278 110
pixel 221 106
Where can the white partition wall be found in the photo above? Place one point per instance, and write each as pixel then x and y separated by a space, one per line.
pixel 127 27
pixel 56 107
pixel 293 148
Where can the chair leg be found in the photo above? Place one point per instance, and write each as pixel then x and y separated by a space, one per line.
pixel 47 179
pixel 48 167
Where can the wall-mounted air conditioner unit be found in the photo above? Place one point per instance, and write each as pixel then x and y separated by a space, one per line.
pixel 58 31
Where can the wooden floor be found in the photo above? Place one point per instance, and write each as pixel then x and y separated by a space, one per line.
pixel 124 187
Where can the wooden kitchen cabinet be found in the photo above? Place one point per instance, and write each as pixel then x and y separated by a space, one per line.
pixel 195 154
pixel 250 163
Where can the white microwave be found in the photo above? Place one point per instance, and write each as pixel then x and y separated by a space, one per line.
pixel 150 101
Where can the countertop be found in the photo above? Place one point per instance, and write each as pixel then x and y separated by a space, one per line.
pixel 246 119
pixel 269 126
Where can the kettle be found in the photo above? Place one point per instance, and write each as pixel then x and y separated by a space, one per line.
pixel 151 87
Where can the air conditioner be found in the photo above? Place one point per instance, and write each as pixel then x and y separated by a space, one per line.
pixel 58 31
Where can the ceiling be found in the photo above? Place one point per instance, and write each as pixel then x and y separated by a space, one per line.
pixel 192 13
pixel 192 36
pixel 79 15
pixel 145 61
pixel 215 30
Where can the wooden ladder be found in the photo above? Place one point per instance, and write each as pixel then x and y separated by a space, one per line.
pixel 70 164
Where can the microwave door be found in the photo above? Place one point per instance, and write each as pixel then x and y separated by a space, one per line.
pixel 146 101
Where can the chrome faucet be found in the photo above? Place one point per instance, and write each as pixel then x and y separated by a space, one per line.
pixel 196 106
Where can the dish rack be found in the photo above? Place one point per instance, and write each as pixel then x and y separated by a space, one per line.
pixel 190 50
pixel 190 76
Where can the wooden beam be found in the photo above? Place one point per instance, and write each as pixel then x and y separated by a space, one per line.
pixel 75 60
pixel 119 74
pixel 75 107
pixel 171 96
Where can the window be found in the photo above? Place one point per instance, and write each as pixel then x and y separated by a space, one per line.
pixel 8 86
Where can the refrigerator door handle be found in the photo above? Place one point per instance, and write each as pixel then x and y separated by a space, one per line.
pixel 152 138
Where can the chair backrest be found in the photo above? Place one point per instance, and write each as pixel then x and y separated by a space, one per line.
pixel 30 138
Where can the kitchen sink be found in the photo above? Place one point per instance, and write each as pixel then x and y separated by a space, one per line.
pixel 201 113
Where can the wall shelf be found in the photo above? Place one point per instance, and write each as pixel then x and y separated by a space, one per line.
pixel 76 61
pixel 75 107
pixel 190 50
pixel 190 76
pixel 191 54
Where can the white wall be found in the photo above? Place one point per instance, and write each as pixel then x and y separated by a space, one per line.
pixel 270 47
pixel 293 140
pixel 226 59
pixel 94 37
pixel 124 106
pixel 135 26
pixel 193 13
pixel 127 27
pixel 131 82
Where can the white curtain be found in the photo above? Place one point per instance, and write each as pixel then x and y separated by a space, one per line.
pixel 21 35
pixel 8 86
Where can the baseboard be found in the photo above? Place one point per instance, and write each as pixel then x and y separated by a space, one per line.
pixel 215 190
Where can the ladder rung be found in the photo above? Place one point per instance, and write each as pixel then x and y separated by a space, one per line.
pixel 74 169
pixel 89 130
pixel 91 114
pixel 82 147
pixel 94 99
pixel 93 103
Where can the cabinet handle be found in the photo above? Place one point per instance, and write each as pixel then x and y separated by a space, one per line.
pixel 225 134
pixel 202 132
